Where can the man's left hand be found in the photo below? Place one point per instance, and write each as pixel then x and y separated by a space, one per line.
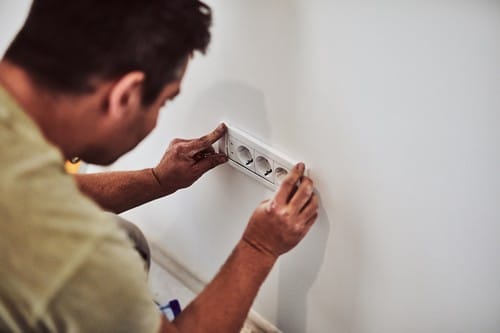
pixel 187 160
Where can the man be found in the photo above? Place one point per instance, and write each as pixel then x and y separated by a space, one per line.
pixel 87 78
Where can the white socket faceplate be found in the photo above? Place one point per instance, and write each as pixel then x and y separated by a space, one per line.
pixel 255 158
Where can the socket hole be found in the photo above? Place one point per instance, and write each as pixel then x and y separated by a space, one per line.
pixel 281 173
pixel 263 166
pixel 245 155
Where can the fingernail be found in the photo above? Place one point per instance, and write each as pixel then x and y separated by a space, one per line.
pixel 302 166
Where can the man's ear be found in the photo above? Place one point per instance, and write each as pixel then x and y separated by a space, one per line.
pixel 126 94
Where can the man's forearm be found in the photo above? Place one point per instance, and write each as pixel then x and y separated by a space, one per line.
pixel 122 190
pixel 224 304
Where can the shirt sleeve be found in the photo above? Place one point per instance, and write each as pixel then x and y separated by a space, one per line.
pixel 64 265
pixel 107 293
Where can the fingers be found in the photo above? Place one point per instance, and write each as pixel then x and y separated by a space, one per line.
pixel 210 162
pixel 311 208
pixel 303 195
pixel 310 222
pixel 288 185
pixel 206 141
pixel 204 154
pixel 177 141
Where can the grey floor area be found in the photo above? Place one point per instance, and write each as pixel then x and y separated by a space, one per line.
pixel 165 287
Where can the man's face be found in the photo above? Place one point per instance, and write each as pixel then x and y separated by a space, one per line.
pixel 133 128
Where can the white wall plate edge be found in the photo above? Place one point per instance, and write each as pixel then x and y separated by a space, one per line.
pixel 260 152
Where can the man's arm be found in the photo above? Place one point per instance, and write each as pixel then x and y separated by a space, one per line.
pixel 183 163
pixel 275 228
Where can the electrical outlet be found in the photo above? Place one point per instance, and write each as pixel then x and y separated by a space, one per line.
pixel 255 158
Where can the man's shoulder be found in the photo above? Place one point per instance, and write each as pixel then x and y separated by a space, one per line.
pixel 49 231
pixel 59 252
pixel 62 260
pixel 59 275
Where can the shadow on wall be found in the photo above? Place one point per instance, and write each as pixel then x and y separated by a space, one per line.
pixel 244 106
pixel 298 275
pixel 235 102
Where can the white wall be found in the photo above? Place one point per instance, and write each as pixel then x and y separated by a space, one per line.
pixel 395 107
pixel 12 15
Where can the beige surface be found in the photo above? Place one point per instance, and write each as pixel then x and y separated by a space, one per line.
pixel 64 266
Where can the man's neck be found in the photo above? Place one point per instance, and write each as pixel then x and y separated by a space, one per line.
pixel 45 109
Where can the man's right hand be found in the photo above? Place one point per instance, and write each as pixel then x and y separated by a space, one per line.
pixel 275 227
pixel 279 224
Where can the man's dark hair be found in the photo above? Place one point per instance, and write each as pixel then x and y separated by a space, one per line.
pixel 67 46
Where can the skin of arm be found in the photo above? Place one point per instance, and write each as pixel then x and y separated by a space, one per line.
pixel 275 227
pixel 182 164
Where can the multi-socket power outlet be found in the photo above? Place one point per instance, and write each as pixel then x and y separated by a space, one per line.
pixel 254 158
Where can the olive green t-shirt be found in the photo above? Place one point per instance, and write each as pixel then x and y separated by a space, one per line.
pixel 64 265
